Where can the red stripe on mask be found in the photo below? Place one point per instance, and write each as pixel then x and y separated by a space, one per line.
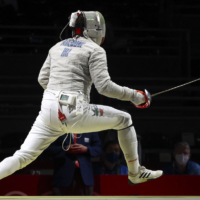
pixel 78 31
pixel 103 38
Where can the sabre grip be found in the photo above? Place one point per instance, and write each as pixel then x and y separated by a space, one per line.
pixel 147 97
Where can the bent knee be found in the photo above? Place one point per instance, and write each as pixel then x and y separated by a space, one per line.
pixel 124 120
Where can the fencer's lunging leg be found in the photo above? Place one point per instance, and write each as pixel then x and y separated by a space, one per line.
pixel 137 174
pixel 98 117
pixel 129 145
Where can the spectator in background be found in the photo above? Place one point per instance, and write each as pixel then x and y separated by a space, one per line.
pixel 110 160
pixel 73 173
pixel 182 165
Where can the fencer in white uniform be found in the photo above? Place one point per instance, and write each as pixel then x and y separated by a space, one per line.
pixel 70 69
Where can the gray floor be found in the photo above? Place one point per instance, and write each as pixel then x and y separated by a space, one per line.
pixel 103 198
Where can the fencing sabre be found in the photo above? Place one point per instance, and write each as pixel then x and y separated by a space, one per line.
pixel 149 96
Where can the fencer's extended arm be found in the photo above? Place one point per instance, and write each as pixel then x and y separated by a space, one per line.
pixel 101 79
pixel 43 77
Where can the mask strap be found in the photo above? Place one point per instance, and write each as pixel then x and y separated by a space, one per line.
pixel 62 31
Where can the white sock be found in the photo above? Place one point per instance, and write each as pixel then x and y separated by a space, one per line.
pixel 129 145
pixel 8 166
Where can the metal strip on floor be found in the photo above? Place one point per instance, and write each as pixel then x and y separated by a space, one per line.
pixel 100 197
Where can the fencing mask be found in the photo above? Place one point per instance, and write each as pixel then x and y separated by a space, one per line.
pixel 88 24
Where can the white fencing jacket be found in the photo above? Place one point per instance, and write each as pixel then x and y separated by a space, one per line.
pixel 74 64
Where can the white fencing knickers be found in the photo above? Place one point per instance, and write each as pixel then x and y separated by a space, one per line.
pixel 47 128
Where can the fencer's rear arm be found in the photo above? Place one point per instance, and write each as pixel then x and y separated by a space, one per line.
pixel 101 79
pixel 43 77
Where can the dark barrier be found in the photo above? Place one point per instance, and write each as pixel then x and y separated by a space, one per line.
pixel 105 185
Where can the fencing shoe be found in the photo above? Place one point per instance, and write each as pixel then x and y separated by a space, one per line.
pixel 143 175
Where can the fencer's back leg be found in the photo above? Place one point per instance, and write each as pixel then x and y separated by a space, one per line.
pixel 36 142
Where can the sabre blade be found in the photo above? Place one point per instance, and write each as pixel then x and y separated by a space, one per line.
pixel 153 95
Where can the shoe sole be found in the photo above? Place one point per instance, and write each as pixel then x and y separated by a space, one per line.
pixel 130 183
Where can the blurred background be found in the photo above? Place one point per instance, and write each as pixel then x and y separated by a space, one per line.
pixel 151 45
